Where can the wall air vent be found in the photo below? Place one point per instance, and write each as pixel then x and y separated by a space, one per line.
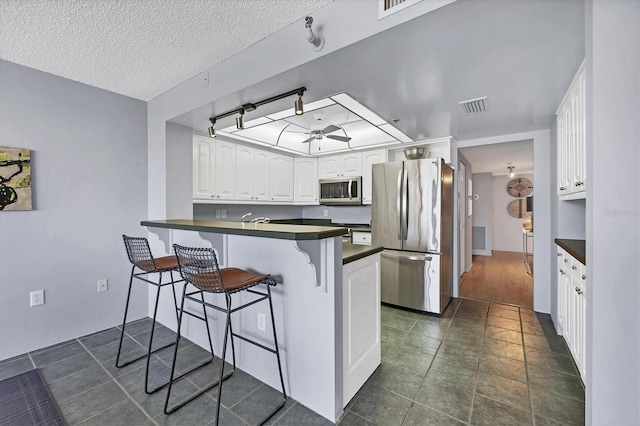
pixel 474 106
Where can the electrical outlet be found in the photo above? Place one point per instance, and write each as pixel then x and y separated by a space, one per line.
pixel 262 319
pixel 36 298
pixel 217 214
pixel 102 285
pixel 223 213
pixel 326 212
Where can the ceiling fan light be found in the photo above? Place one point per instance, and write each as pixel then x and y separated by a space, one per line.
pixel 298 106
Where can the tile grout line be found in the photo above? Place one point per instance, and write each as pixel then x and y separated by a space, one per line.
pixel 526 370
pixel 475 384
pixel 119 385
pixel 32 362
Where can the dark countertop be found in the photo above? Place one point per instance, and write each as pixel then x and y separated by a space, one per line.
pixel 264 230
pixel 576 248
pixel 353 252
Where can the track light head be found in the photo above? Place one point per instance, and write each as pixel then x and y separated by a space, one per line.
pixel 240 120
pixel 212 129
pixel 298 105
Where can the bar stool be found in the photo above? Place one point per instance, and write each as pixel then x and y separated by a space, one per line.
pixel 199 267
pixel 140 256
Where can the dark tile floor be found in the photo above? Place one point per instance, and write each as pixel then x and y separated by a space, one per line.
pixel 477 364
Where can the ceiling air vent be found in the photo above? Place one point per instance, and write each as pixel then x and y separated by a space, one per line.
pixel 474 106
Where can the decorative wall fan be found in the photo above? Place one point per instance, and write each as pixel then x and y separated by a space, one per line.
pixel 317 132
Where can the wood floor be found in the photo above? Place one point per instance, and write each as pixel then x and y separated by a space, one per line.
pixel 501 278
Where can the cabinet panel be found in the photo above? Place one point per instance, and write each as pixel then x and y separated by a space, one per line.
pixel 244 173
pixel 369 158
pixel 261 167
pixel 225 170
pixel 280 177
pixel 203 168
pixel 351 164
pixel 330 167
pixel 305 180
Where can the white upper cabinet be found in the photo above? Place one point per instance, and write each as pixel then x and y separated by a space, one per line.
pixel 571 140
pixel 280 177
pixel 225 168
pixel 203 168
pixel 342 165
pixel 369 158
pixel 252 174
pixel 305 184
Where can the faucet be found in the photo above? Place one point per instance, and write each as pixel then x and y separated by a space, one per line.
pixel 244 216
pixel 260 219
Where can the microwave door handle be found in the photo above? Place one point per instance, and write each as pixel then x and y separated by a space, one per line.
pixel 405 206
pixel 350 196
pixel 399 204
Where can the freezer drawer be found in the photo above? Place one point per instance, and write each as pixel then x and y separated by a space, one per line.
pixel 411 280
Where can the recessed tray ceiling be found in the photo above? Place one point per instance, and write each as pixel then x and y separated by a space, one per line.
pixel 286 131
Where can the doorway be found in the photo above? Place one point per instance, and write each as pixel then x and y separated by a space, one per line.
pixel 501 225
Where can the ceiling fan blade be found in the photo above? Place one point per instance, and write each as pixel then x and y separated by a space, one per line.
pixel 308 140
pixel 295 131
pixel 330 128
pixel 338 138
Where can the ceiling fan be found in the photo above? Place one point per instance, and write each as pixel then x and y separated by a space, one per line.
pixel 316 132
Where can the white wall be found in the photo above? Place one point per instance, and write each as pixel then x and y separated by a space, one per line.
pixel 89 167
pixel 613 212
pixel 483 209
pixel 507 230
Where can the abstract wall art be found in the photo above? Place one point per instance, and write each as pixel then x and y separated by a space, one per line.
pixel 15 179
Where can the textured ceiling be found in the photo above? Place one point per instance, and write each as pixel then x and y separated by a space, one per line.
pixel 138 48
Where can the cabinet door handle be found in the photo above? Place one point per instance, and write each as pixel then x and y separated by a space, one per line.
pixel 559 254
pixel 562 188
pixel 574 267
pixel 566 260
pixel 578 290
pixel 584 277
pixel 561 271
pixel 579 183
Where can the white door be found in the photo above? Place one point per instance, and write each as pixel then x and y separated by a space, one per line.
pixel 305 184
pixel 369 158
pixel 225 170
pixel 203 168
pixel 351 164
pixel 281 177
pixel 260 175
pixel 462 215
pixel 244 173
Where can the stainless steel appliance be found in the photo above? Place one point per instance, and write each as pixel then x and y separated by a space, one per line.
pixel 412 218
pixel 341 191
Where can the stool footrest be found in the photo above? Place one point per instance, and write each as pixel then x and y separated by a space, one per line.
pixel 199 365
pixel 193 396
pixel 144 355
pixel 260 345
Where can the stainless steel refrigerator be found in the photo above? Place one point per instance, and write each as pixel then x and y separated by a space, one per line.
pixel 412 218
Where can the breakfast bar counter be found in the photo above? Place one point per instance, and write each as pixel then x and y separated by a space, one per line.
pixel 327 309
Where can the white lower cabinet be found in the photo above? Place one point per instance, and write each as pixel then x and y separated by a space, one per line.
pixel 361 323
pixel 572 303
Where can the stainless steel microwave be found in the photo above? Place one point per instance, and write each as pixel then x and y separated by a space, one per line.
pixel 341 191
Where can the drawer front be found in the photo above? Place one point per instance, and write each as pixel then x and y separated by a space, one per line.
pixel 362 238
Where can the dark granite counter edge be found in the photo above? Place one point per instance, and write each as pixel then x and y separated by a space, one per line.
pixel 576 248
pixel 353 252
pixel 265 233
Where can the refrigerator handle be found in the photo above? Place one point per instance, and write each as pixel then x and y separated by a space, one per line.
pixel 404 220
pixel 399 204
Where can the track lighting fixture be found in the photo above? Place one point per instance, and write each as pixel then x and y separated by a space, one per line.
pixel 511 170
pixel 240 120
pixel 212 129
pixel 298 105
pixel 316 40
pixel 298 108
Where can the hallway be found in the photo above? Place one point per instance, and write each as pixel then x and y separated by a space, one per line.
pixel 501 278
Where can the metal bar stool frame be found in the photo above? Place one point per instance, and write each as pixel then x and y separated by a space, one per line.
pixel 140 256
pixel 199 267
